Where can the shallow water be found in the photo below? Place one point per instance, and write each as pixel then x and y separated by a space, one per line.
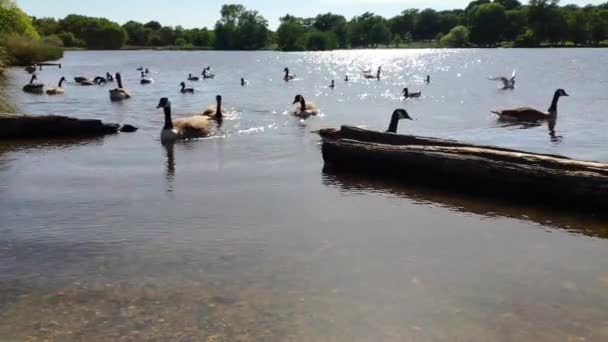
pixel 245 237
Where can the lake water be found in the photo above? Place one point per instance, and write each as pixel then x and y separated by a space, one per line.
pixel 245 237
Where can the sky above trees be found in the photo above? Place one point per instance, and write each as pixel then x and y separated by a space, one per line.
pixel 199 13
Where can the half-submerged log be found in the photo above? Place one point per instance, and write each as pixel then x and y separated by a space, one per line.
pixel 471 168
pixel 52 126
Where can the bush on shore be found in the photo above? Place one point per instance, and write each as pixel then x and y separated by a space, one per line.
pixel 25 51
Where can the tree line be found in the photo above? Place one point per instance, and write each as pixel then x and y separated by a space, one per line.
pixel 483 23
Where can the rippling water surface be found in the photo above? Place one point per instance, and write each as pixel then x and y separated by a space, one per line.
pixel 244 237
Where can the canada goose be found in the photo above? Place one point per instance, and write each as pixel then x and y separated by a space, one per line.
pixel 58 90
pixel 141 68
pixel 192 78
pixel 407 94
pixel 332 85
pixel 346 78
pixel 531 114
pixel 184 128
pixel 215 111
pixel 287 76
pixel 305 110
pixel 206 75
pixel 185 90
pixel 34 88
pixel 369 76
pixel 120 93
pixel 243 82
pixel 507 83
pixel 428 79
pixel 128 129
pixel 100 80
pixel 398 114
pixel 80 79
pixel 147 71
pixel 145 79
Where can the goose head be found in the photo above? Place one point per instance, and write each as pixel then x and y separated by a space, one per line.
pixel 218 99
pixel 183 85
pixel 405 92
pixel 561 92
pixel 398 114
pixel 298 99
pixel 286 70
pixel 62 79
pixel 164 103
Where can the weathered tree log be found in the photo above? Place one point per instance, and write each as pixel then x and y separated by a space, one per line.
pixel 470 167
pixel 51 126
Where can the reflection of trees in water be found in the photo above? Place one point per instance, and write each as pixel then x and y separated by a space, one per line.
pixel 591 224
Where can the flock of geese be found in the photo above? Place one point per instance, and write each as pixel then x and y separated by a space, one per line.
pixel 203 124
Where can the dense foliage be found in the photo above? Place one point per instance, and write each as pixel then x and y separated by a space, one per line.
pixel 20 43
pixel 483 23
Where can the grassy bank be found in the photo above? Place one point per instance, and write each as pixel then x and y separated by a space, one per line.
pixel 21 51
pixel 5 105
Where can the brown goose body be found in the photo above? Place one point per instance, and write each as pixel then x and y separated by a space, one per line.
pixel 183 128
pixel 215 111
pixel 531 114
pixel 305 109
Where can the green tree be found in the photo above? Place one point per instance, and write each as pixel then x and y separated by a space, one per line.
pixel 487 23
pixel 457 37
pixel 153 25
pixel 578 29
pixel 380 34
pixel 427 25
pixel 517 20
pixel 509 4
pixel 46 26
pixel 138 35
pixel 403 23
pixel 291 35
pixel 540 17
pixel 598 26
pixel 14 21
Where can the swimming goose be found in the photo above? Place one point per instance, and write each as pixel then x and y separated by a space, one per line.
pixel 80 79
pixel 141 68
pixel 507 83
pixel 145 79
pixel 370 76
pixel 243 82
pixel 287 76
pixel 100 80
pixel 304 110
pixel 215 111
pixel 398 114
pixel 428 79
pixel 58 90
pixel 34 88
pixel 183 128
pixel 407 94
pixel 185 90
pixel 192 78
pixel 332 85
pixel 346 78
pixel 120 93
pixel 531 114
pixel 206 75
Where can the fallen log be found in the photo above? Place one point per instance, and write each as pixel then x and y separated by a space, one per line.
pixel 472 168
pixel 52 126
